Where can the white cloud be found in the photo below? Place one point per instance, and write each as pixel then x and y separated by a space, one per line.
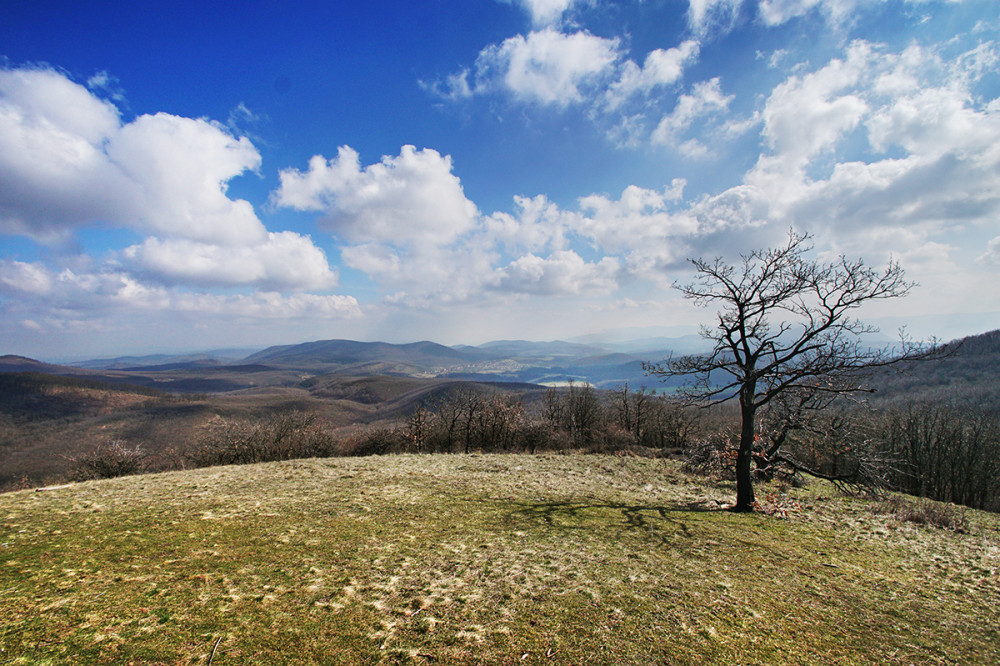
pixel 705 15
pixel 373 260
pixel 109 85
pixel 74 295
pixel 934 121
pixel 183 165
pixel 269 305
pixel 910 103
pixel 428 274
pixel 67 161
pixel 992 254
pixel 18 277
pixel 564 272
pixel 808 115
pixel 546 12
pixel 635 219
pixel 837 13
pixel 547 66
pixel 661 67
pixel 707 98
pixel 776 12
pixel 53 173
pixel 284 261
pixel 641 226
pixel 879 152
pixel 411 198
pixel 538 224
pixel 45 99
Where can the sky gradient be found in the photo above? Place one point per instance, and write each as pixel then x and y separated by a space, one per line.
pixel 182 176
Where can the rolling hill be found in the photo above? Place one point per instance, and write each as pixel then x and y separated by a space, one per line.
pixel 485 559
pixel 965 375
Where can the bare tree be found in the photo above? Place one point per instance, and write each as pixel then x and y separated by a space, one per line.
pixel 783 326
pixel 418 428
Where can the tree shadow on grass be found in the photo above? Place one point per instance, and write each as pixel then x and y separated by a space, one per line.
pixel 647 519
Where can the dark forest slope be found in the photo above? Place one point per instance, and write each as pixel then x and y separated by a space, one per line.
pixel 966 375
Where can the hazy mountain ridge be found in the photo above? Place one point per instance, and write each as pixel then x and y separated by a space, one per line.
pixel 605 365
pixel 503 360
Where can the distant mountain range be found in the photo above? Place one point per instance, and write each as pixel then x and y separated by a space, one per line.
pixel 555 362
pixel 603 365
pixel 550 363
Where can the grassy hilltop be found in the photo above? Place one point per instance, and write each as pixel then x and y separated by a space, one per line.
pixel 509 559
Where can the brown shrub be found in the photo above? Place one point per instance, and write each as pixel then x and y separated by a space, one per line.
pixel 284 436
pixel 107 461
pixel 921 511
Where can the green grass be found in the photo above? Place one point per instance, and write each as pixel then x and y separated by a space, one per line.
pixel 481 559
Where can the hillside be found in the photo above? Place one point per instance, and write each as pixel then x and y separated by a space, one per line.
pixel 453 559
pixel 47 419
pixel 966 374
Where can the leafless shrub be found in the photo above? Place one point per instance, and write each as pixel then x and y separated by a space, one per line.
pixel 713 455
pixel 535 435
pixel 284 436
pixel 375 442
pixel 115 458
pixel 613 439
pixel 925 512
pixel 22 482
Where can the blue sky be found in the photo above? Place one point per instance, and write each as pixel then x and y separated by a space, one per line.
pixel 176 176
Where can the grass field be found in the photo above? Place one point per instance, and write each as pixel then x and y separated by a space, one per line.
pixel 501 559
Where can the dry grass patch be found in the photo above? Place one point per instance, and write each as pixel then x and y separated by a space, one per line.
pixel 481 559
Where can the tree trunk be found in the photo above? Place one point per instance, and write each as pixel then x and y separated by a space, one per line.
pixel 744 483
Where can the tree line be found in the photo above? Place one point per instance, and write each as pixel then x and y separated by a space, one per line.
pixel 948 453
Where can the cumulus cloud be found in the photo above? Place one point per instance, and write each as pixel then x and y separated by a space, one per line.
pixel 930 166
pixel 66 160
pixel 992 254
pixel 547 67
pixel 634 219
pixel 546 12
pixel 183 165
pixel 807 115
pixel 706 99
pixel 74 294
pixel 563 272
pixel 18 277
pixel 648 227
pixel 538 224
pixel 374 260
pixel 284 261
pixel 662 67
pixel 411 198
pixel 706 15
pixel 54 175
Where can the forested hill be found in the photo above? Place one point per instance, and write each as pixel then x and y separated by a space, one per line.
pixel 966 375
